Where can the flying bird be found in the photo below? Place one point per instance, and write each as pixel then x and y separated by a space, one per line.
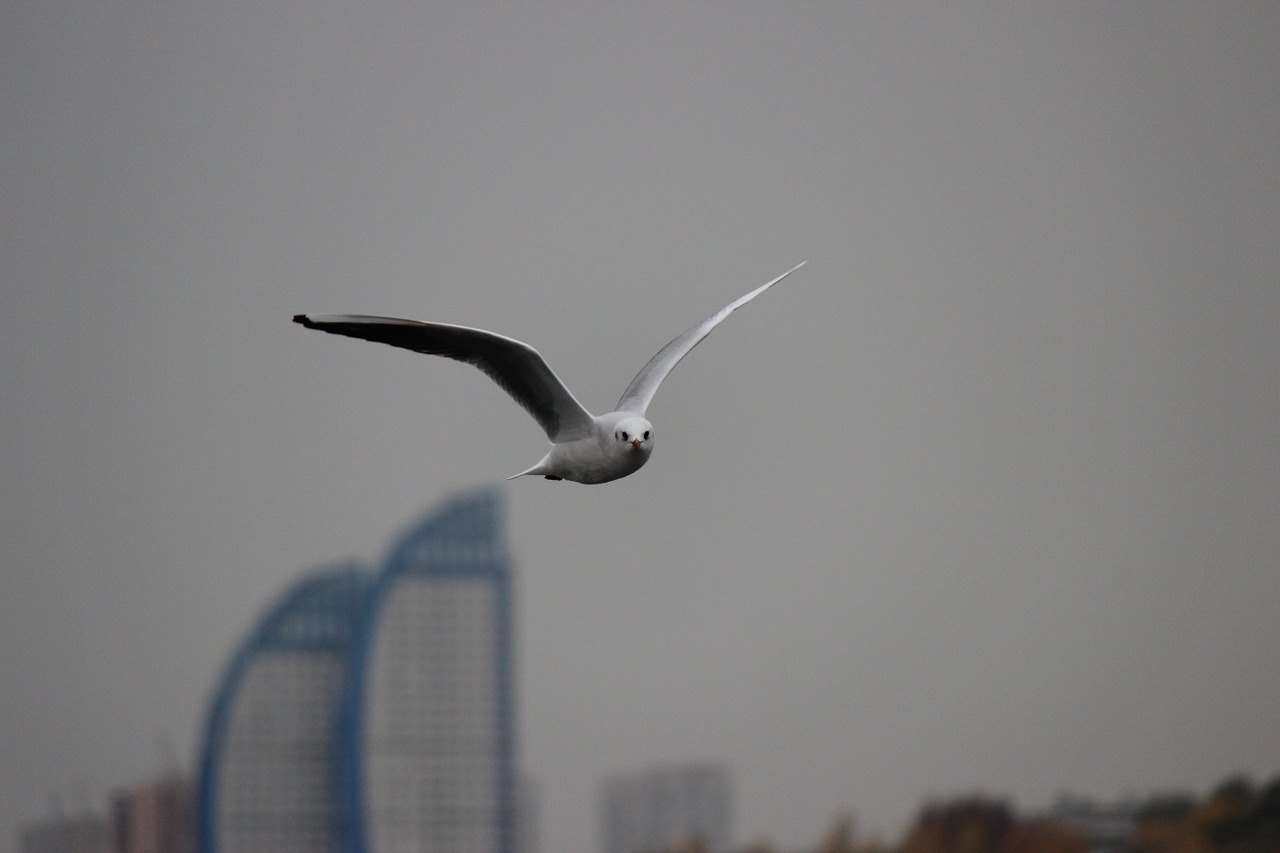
pixel 586 448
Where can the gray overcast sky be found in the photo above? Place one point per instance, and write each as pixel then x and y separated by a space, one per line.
pixel 986 497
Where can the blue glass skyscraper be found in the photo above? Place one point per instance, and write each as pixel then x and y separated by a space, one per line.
pixel 403 738
pixel 426 722
pixel 266 772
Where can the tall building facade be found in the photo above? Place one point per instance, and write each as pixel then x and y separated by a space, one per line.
pixel 266 772
pixel 374 713
pixel 663 807
pixel 427 725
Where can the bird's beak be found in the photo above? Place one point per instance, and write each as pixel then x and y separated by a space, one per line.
pixel 635 442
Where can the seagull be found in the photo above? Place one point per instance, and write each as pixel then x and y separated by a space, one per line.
pixel 586 448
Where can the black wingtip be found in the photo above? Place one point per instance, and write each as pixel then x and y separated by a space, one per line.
pixel 304 320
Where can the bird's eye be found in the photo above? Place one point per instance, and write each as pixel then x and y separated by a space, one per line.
pixel 646 435
pixel 624 435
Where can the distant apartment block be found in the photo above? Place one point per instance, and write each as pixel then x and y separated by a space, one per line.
pixel 660 808
pixel 1105 827
pixel 156 817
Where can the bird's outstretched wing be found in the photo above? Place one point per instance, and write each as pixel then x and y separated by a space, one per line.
pixel 640 392
pixel 516 366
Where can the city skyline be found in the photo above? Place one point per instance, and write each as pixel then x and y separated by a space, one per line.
pixel 1236 813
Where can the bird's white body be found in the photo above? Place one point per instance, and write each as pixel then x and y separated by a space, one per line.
pixel 619 444
pixel 586 448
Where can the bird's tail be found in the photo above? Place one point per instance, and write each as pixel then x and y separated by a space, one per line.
pixel 540 468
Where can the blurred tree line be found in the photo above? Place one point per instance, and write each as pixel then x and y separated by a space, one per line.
pixel 1236 817
pixel 981 825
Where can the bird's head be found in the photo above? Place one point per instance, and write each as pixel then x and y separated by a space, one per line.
pixel 635 433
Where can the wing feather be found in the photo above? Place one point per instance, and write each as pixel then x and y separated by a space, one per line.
pixel 518 368
pixel 641 390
